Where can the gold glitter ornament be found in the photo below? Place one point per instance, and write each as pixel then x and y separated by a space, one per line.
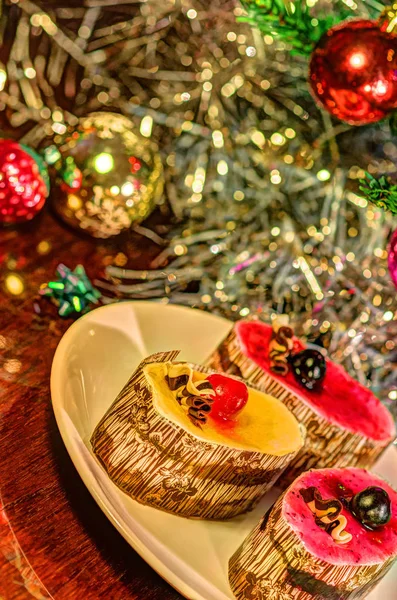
pixel 106 175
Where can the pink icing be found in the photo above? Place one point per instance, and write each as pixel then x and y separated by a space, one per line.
pixel 342 400
pixel 366 547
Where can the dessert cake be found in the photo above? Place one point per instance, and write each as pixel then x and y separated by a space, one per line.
pixel 331 536
pixel 346 424
pixel 192 442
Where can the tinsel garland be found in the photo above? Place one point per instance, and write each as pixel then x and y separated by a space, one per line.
pixel 264 188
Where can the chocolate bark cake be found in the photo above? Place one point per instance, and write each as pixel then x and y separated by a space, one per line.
pixel 186 440
pixel 346 424
pixel 331 536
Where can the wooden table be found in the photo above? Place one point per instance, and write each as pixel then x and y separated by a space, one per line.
pixel 54 540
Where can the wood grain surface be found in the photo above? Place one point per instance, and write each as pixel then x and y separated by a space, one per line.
pixel 54 540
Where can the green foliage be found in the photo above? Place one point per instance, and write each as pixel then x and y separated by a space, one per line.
pixel 382 192
pixel 292 21
pixel 393 123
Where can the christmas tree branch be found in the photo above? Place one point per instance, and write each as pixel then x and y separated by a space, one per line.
pixel 382 192
pixel 292 21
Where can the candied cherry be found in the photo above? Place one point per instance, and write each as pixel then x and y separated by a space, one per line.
pixel 231 396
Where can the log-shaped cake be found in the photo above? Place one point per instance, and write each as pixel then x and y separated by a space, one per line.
pixel 331 536
pixel 346 424
pixel 186 440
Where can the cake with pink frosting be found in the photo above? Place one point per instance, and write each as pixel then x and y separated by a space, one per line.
pixel 346 423
pixel 331 535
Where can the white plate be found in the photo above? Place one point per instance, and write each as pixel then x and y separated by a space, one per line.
pixel 94 359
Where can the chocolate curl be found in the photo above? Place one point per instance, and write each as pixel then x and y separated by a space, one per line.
pixel 174 383
pixel 198 409
pixel 280 345
pixel 331 508
pixel 337 529
pixel 196 397
pixel 327 514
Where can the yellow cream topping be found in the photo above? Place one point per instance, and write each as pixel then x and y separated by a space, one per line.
pixel 264 425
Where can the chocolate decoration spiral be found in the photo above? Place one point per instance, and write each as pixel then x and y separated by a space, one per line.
pixel 332 508
pixel 327 514
pixel 280 346
pixel 175 383
pixel 337 530
pixel 195 397
pixel 198 409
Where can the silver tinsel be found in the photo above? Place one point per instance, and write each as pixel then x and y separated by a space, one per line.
pixel 263 185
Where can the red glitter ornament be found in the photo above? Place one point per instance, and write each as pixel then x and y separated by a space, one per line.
pixel 23 185
pixel 353 72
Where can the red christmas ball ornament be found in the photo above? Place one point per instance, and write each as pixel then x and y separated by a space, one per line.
pixel 23 183
pixel 353 72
